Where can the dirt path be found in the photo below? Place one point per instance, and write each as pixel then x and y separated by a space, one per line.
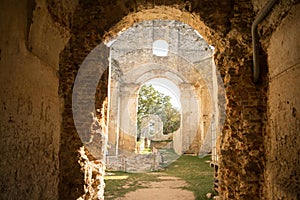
pixel 167 188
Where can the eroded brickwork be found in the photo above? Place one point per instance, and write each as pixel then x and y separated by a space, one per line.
pixel 241 144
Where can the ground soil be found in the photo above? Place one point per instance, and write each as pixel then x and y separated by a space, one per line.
pixel 167 188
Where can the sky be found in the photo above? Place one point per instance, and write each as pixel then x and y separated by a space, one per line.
pixel 168 88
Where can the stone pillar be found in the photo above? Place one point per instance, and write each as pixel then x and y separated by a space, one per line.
pixel 215 118
pixel 113 123
pixel 128 117
pixel 190 116
pixel 206 120
pixel 177 144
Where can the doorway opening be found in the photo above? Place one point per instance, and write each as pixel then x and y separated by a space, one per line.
pixel 159 120
pixel 171 55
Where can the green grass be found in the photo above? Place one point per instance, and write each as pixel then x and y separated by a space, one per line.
pixel 195 171
pixel 146 151
pixel 119 187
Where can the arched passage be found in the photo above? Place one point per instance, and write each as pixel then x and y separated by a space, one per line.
pixel 86 36
pixel 126 109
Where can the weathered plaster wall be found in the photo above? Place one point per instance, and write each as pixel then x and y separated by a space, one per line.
pixel 30 108
pixel 283 130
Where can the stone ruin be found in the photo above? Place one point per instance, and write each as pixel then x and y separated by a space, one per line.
pixel 43 44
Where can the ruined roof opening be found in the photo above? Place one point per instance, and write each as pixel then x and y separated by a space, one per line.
pixel 160 48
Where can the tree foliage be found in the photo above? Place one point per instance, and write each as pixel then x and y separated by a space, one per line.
pixel 150 101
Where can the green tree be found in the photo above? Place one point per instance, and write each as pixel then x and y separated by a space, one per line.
pixel 150 101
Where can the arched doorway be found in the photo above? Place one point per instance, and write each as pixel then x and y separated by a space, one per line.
pixel 214 31
pixel 133 63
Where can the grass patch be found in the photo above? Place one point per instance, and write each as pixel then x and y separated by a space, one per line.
pixel 115 187
pixel 196 172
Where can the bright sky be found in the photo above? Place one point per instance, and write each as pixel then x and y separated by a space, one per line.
pixel 168 88
pixel 160 48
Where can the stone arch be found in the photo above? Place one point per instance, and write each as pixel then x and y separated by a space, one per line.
pixel 166 12
pixel 191 110
pixel 191 114
pixel 175 78
pixel 213 25
pixel 190 71
pixel 133 63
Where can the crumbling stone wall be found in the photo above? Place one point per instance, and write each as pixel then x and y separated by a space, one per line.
pixel 32 127
pixel 79 103
pixel 93 170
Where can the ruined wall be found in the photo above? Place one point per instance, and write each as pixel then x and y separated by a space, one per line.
pixel 143 66
pixel 282 140
pixel 30 117
pixel 132 51
pixel 241 142
pixel 80 96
